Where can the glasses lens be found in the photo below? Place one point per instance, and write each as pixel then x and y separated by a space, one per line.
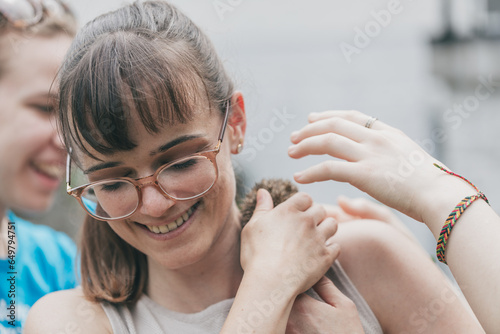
pixel 111 199
pixel 188 178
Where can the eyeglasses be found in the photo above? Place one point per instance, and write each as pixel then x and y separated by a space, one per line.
pixel 26 13
pixel 183 179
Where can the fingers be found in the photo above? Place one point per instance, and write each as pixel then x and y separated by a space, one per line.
pixel 328 143
pixel 349 115
pixel 366 209
pixel 361 207
pixel 317 212
pixel 339 214
pixel 328 227
pixel 341 171
pixel 346 128
pixel 264 203
pixel 299 201
pixel 329 292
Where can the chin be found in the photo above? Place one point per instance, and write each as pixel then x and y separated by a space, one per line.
pixel 34 205
pixel 180 258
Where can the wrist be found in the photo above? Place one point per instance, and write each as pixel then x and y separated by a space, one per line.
pixel 447 191
pixel 267 281
pixel 259 297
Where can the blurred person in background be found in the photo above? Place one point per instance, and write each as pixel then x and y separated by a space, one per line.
pixel 34 259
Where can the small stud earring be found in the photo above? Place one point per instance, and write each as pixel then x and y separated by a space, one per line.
pixel 240 147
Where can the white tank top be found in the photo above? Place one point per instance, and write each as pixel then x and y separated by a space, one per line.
pixel 148 317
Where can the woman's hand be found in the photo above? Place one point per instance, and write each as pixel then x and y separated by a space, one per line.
pixel 290 243
pixel 381 161
pixel 338 314
pixel 284 251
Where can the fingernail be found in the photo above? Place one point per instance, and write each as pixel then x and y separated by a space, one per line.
pixel 292 149
pixel 297 176
pixel 260 194
pixel 294 135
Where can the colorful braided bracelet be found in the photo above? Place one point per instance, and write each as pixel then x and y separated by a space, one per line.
pixel 454 215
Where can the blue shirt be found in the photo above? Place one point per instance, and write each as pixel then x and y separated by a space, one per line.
pixel 44 261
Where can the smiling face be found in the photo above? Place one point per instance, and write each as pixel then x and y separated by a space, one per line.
pixel 31 155
pixel 173 233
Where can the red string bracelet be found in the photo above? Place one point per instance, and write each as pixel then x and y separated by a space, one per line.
pixel 454 215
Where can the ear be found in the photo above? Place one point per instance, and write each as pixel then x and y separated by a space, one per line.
pixel 237 122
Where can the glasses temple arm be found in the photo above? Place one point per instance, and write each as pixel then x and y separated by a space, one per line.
pixel 68 170
pixel 224 123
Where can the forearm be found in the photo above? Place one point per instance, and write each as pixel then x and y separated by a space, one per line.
pixel 260 306
pixel 472 250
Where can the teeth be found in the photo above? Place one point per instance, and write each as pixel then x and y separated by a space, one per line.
pixel 173 225
pixel 52 170
pixel 179 221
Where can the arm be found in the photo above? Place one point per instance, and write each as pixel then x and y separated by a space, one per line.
pixel 386 164
pixel 66 311
pixel 403 287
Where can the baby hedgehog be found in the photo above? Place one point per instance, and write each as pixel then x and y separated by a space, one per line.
pixel 279 189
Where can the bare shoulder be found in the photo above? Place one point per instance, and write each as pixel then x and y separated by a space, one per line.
pixel 373 251
pixel 368 239
pixel 399 281
pixel 66 311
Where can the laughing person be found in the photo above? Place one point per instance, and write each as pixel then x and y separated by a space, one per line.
pixel 34 259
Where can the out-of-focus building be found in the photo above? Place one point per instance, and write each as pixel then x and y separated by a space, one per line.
pixel 466 62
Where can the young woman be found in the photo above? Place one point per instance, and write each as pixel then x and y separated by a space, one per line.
pixel 427 194
pixel 34 259
pixel 151 118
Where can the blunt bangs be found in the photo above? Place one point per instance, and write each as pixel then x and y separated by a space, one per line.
pixel 123 73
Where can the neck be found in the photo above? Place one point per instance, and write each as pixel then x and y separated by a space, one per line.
pixel 214 278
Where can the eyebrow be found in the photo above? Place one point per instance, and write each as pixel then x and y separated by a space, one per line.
pixel 161 149
pixel 173 143
pixel 102 166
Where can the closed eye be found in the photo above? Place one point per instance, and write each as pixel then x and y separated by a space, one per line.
pixel 44 108
pixel 184 164
pixel 110 187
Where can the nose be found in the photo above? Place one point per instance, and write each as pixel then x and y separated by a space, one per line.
pixel 57 139
pixel 154 202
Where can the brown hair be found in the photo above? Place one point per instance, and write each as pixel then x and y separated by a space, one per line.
pixel 147 57
pixel 51 24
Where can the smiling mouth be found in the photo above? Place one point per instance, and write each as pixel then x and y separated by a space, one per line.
pixel 161 229
pixel 53 171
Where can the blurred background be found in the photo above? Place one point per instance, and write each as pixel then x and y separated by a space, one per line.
pixel 428 67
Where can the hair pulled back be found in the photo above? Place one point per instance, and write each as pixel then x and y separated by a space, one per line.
pixel 147 58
